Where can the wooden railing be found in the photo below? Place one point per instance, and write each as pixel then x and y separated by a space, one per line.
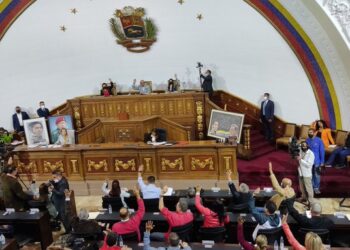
pixel 93 133
pixel 209 106
pixel 251 111
pixel 175 131
pixel 63 109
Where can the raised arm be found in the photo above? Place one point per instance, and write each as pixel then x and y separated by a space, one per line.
pixel 240 236
pixel 203 210
pixel 231 185
pixel 104 188
pixel 139 179
pixel 141 206
pixel 292 241
pixel 161 201
pixel 276 186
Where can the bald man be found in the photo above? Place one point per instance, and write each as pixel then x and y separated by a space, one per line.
pixel 129 224
pixel 284 191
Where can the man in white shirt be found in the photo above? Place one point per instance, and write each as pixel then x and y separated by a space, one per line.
pixel 18 118
pixel 306 160
pixel 149 190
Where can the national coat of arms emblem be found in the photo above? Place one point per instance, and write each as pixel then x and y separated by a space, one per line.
pixel 132 29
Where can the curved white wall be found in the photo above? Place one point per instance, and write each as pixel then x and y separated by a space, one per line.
pixel 246 54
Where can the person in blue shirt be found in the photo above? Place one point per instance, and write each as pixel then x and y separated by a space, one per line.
pixel 317 147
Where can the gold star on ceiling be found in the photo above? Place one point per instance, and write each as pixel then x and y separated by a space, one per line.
pixel 199 17
pixel 74 11
pixel 181 1
pixel 63 28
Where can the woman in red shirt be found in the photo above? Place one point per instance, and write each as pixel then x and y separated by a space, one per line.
pixel 211 218
pixel 312 240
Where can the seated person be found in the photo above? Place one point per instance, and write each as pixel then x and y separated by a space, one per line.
pixel 130 224
pixel 112 87
pixel 338 157
pixel 312 240
pixel 191 200
pixel 105 90
pixel 284 191
pixel 143 88
pixel 174 241
pixel 242 196
pixel 315 222
pixel 267 220
pixel 82 225
pixel 324 133
pixel 260 241
pixel 156 135
pixel 110 242
pixel 149 190
pixel 214 215
pixel 178 218
pixel 115 191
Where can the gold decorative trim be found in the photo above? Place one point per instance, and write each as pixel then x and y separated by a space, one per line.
pixel 148 164
pixel 197 163
pixel 49 167
pixel 200 125
pixel 31 167
pixel 97 166
pixel 74 166
pixel 76 112
pixel 227 162
pixel 124 165
pixel 167 163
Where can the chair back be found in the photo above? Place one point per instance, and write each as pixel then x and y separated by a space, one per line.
pixel 340 137
pixel 184 231
pixel 289 130
pixel 161 134
pixel 304 131
pixel 41 205
pixel 217 234
pixel 323 233
pixel 130 237
pixel 272 235
pixel 238 208
pixel 151 205
pixel 115 202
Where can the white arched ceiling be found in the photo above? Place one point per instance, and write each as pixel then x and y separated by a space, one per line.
pixel 246 54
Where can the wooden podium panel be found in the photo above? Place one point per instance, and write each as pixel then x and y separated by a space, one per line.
pixel 185 160
pixel 186 109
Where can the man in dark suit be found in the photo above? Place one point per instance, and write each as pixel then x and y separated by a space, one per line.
pixel 207 84
pixel 59 185
pixel 18 118
pixel 267 115
pixel 13 194
pixel 43 111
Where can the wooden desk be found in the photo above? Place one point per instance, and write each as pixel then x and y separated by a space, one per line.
pixel 187 160
pixel 187 109
pixel 35 225
pixel 339 233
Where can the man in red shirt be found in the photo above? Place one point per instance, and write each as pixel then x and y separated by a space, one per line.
pixel 129 224
pixel 175 219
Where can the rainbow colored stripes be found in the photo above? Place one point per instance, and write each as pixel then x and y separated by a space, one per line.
pixel 308 55
pixel 9 11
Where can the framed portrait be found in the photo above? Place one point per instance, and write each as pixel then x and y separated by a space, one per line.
pixel 61 129
pixel 224 124
pixel 36 132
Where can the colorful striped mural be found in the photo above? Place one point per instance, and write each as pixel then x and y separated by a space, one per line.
pixel 307 54
pixel 9 11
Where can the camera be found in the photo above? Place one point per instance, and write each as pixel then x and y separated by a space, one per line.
pixel 199 65
pixel 294 147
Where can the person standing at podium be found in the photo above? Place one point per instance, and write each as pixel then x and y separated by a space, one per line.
pixel 207 84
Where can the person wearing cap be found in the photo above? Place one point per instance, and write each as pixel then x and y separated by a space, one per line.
pixel 60 123
pixel 283 191
pixel 315 222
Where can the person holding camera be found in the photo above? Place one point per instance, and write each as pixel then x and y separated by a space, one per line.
pixel 306 161
pixel 58 186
